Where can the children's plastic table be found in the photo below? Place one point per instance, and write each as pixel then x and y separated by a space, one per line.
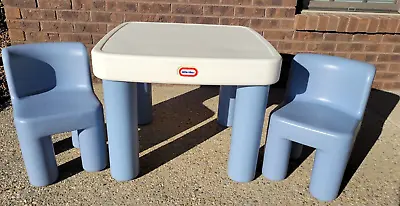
pixel 173 53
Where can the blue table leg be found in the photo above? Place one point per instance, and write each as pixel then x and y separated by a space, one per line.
pixel 144 103
pixel 75 138
pixel 226 105
pixel 120 100
pixel 246 132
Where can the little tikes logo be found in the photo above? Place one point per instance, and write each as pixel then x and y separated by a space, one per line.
pixel 188 72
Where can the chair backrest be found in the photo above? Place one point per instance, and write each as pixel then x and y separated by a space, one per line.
pixel 338 82
pixel 36 68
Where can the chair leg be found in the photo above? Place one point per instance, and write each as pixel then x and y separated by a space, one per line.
pixel 226 105
pixel 40 161
pixel 144 96
pixel 276 156
pixel 75 139
pixel 120 100
pixel 327 173
pixel 296 150
pixel 93 146
pixel 246 132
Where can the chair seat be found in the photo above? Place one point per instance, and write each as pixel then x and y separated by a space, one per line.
pixel 317 118
pixel 53 111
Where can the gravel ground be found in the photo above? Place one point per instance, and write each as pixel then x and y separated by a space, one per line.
pixel 184 159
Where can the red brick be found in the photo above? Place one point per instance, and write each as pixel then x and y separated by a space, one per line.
pixel 126 6
pixel 97 37
pixel 337 37
pixel 12 13
pixel 377 85
pixel 387 76
pixel 147 17
pixel 38 14
pixel 20 3
pixel 280 12
pixel 347 47
pixel 392 22
pixel 391 38
pixel 218 10
pixel 394 67
pixel 389 57
pixel 76 37
pixel 23 24
pixel 235 21
pixel 181 19
pixel 202 20
pixel 278 35
pixel 381 67
pixel 262 2
pixel 286 24
pixel 367 38
pixel 275 44
pixel 311 36
pixel 371 57
pixel 358 56
pixel 397 49
pixel 389 85
pixel 249 12
pixel 90 28
pixel 395 85
pixel 323 22
pixel 312 22
pixel 202 1
pixel 353 24
pixel 236 2
pixel 107 17
pixel 54 4
pixel 379 48
pixel 42 37
pixel 292 46
pixel 264 23
pixel 154 8
pixel 111 6
pixel 94 5
pixel 111 27
pixel 73 15
pixel 333 23
pixel 300 22
pixel 187 9
pixel 373 25
pixel 363 24
pixel 398 28
pixel 290 3
pixel 343 23
pixel 276 2
pixel 16 35
pixel 383 24
pixel 326 46
pixel 57 26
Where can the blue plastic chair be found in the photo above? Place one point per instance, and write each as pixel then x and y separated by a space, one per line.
pixel 51 92
pixel 323 108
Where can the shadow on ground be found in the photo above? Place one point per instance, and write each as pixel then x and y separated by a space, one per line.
pixel 170 118
pixel 380 102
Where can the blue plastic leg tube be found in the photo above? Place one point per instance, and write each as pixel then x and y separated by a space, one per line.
pixel 122 126
pixel 246 132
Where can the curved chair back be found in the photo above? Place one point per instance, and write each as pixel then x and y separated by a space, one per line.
pixel 338 82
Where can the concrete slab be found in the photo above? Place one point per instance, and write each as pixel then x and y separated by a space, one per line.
pixel 183 162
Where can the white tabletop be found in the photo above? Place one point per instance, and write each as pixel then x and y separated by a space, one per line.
pixel 186 54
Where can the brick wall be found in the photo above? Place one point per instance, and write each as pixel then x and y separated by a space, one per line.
pixel 367 37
